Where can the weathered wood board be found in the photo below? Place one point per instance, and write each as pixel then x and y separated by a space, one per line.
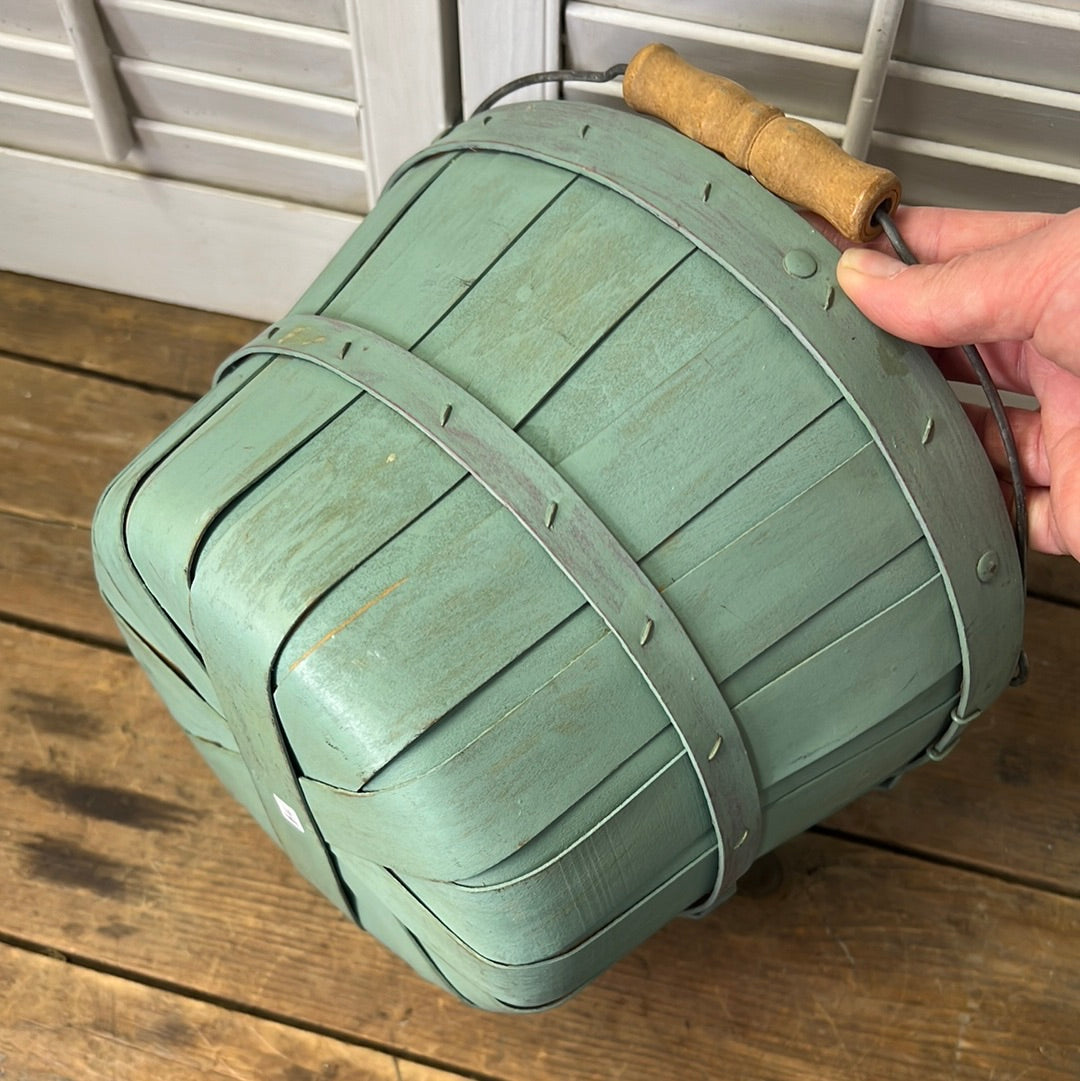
pixel 144 341
pixel 61 1020
pixel 840 960
pixel 47 578
pixel 939 939
pixel 1054 577
pixel 1023 752
pixel 67 435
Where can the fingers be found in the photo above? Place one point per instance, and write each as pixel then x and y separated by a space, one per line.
pixel 1007 363
pixel 1044 535
pixel 1060 527
pixel 1050 467
pixel 1043 532
pixel 1010 282
pixel 938 234
pixel 1027 430
pixel 995 294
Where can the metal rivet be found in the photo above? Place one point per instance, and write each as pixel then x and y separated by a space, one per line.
pixel 830 293
pixel 444 416
pixel 706 193
pixel 549 514
pixel 716 747
pixel 987 566
pixel 272 331
pixel 928 431
pixel 344 350
pixel 646 631
pixel 742 840
pixel 800 263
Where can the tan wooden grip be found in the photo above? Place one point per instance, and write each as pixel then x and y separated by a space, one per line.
pixel 790 158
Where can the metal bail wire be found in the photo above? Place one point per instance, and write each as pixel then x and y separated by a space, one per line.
pixel 564 76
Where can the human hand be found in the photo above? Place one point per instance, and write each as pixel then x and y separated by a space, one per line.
pixel 1011 284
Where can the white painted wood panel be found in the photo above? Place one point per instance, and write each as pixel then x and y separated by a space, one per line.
pixel 797 76
pixel 241 46
pixel 952 109
pixel 954 136
pixel 44 69
pixel 193 98
pixel 837 24
pixel 162 239
pixel 406 66
pixel 325 13
pixel 39 18
pixel 97 73
pixel 234 106
pixel 312 55
pixel 170 150
pixel 937 173
pixel 1006 39
pixel 996 115
pixel 1022 40
pixel 187 35
pixel 254 96
pixel 36 18
pixel 941 174
pixel 501 41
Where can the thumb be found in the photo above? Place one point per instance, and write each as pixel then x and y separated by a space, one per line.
pixel 933 304
pixel 1010 292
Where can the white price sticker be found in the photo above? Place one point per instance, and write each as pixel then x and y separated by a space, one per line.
pixel 288 814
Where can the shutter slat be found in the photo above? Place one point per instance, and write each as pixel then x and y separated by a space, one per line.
pixel 184 153
pixel 224 43
pixel 205 38
pixel 1026 43
pixel 33 18
pixel 164 239
pixel 329 14
pixel 796 76
pixel 42 69
pixel 237 107
pixel 987 114
pixel 837 24
pixel 982 110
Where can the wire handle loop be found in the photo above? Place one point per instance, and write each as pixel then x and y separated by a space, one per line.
pixel 564 76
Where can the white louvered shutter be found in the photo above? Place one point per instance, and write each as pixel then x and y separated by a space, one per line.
pixel 262 130
pixel 981 99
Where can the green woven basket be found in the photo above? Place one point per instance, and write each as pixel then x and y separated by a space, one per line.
pixel 570 544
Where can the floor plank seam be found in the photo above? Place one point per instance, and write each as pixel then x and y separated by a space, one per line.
pixel 104 377
pixel 80 637
pixel 22 514
pixel 955 863
pixel 864 946
pixel 220 1002
pixel 1050 598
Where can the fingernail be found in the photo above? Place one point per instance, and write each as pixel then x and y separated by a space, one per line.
pixel 873 264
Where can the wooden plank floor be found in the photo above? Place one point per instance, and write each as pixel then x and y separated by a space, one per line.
pixel 149 930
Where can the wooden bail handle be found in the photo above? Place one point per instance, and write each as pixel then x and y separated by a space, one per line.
pixel 790 158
